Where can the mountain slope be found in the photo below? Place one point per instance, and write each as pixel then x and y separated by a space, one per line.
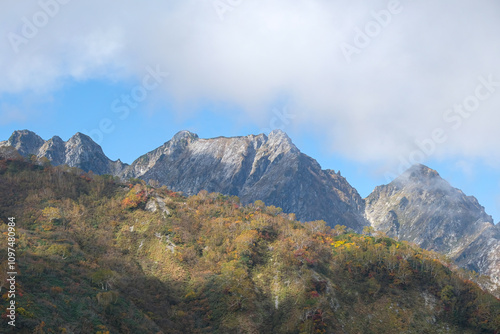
pixel 268 168
pixel 79 151
pixel 483 254
pixel 95 255
pixel 421 207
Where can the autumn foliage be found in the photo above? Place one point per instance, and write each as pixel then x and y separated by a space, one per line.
pixel 94 260
pixel 135 198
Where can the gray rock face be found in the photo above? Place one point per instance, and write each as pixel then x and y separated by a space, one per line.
pixel 421 207
pixel 82 152
pixel 79 151
pixel 268 168
pixel 8 152
pixel 483 254
pixel 54 149
pixel 25 142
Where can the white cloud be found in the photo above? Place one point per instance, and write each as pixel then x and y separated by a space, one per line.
pixel 392 93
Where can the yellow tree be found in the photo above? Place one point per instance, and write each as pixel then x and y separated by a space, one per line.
pixel 51 213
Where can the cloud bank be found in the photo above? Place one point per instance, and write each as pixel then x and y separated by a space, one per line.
pixel 379 80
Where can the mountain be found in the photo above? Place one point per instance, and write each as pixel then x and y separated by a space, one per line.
pixel 79 151
pixel 96 255
pixel 25 142
pixel 421 207
pixel 268 168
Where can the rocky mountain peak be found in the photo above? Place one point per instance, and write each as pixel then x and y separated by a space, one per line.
pixel 278 135
pixel 26 134
pixel 25 142
pixel 53 149
pixel 421 207
pixel 184 135
pixel 279 140
pixel 82 143
pixel 56 139
pixel 82 139
pixel 423 179
pixel 79 151
pixel 180 140
pixel 419 173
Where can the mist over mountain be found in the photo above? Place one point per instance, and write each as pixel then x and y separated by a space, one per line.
pixel 421 207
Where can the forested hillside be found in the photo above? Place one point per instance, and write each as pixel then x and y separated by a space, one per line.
pixel 96 255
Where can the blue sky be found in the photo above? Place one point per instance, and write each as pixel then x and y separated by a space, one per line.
pixel 360 86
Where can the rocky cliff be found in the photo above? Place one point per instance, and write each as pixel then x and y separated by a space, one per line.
pixel 268 168
pixel 79 151
pixel 421 207
pixel 255 167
